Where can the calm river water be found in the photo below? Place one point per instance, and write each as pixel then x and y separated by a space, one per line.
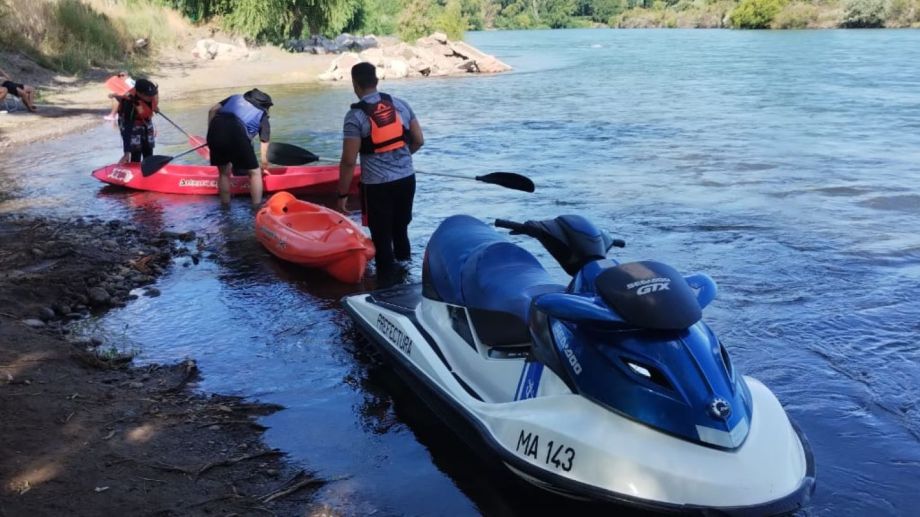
pixel 784 164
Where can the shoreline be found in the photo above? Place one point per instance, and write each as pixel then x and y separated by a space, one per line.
pixel 68 106
pixel 87 433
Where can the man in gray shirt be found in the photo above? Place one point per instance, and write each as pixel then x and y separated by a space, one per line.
pixel 384 131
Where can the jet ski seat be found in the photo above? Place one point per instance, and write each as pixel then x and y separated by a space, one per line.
pixel 467 263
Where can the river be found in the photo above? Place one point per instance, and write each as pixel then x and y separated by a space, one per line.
pixel 785 164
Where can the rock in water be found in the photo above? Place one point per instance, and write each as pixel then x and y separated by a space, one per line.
pixel 98 296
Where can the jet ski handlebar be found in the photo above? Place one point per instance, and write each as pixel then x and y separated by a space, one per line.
pixel 533 230
pixel 511 225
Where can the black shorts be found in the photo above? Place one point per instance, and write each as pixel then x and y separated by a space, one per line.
pixel 229 143
pixel 12 87
pixel 139 141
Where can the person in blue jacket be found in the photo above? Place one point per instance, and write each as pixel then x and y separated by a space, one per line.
pixel 232 124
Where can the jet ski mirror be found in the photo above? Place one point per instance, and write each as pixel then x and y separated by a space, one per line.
pixel 578 309
pixel 704 286
pixel 610 242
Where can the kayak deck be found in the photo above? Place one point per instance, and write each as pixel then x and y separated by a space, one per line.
pixel 202 179
pixel 313 236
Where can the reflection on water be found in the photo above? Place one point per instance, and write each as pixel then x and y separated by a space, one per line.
pixel 783 164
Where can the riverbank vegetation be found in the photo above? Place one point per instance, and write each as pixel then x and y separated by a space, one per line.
pixel 278 20
pixel 72 36
pixel 75 35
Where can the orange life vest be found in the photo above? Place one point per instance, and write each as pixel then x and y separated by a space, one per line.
pixel 136 111
pixel 387 130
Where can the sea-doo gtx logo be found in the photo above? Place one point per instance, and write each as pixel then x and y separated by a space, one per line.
pixel 720 408
pixel 650 285
pixel 121 174
pixel 394 334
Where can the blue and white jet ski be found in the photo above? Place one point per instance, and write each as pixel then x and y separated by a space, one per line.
pixel 610 388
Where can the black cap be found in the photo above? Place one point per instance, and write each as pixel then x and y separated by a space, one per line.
pixel 146 87
pixel 258 98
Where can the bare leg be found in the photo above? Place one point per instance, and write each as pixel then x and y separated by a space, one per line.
pixel 223 183
pixel 26 95
pixel 255 186
pixel 114 111
pixel 2 93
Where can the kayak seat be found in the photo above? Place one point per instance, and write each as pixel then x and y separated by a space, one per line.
pixel 468 263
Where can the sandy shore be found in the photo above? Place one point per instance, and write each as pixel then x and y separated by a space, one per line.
pixel 67 105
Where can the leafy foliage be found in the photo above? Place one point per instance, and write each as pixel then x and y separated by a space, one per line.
pixel 756 14
pixel 860 14
pixel 452 21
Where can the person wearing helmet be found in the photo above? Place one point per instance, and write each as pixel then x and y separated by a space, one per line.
pixel 385 132
pixel 232 124
pixel 135 120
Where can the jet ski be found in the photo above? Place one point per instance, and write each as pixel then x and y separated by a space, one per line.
pixel 610 388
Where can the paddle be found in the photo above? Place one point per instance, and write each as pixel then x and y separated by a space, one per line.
pixel 503 179
pixel 204 152
pixel 284 154
pixel 289 154
pixel 192 140
pixel 152 164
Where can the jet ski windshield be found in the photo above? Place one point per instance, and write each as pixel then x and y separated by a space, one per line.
pixel 649 295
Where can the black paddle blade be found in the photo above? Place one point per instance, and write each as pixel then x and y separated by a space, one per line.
pixel 289 154
pixel 151 164
pixel 508 180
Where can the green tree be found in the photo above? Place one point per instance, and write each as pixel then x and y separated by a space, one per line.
pixel 755 14
pixel 452 21
pixel 376 17
pixel 417 19
pixel 860 14
pixel 557 13
pixel 602 10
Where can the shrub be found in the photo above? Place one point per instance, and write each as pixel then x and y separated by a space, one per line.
pixel 797 15
pixel 755 14
pixel 859 14
pixel 451 20
pixel 417 20
pixel 902 13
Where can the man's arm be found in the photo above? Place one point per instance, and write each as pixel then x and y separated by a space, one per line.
pixel 350 148
pixel 264 151
pixel 265 136
pixel 416 136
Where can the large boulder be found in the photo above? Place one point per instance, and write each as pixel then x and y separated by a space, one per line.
pixel 211 49
pixel 432 56
pixel 397 68
pixel 340 69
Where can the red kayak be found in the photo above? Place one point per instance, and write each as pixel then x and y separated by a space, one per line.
pixel 202 179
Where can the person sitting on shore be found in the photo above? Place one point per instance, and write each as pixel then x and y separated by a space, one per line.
pixel 232 124
pixel 129 82
pixel 135 119
pixel 25 92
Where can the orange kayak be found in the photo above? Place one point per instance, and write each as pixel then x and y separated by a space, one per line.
pixel 314 236
pixel 117 85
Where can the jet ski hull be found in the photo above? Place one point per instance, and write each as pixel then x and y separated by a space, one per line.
pixel 566 444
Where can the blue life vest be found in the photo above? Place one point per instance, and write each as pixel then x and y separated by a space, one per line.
pixel 249 115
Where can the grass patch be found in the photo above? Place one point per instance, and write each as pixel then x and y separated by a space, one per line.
pixel 73 36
